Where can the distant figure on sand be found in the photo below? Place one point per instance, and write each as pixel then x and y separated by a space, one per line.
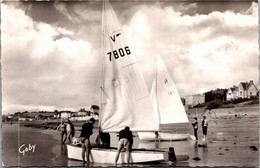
pixel 195 127
pixel 104 138
pixel 62 127
pixel 125 140
pixel 86 131
pixel 156 135
pixel 204 127
pixel 70 131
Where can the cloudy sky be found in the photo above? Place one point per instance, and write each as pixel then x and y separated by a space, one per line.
pixel 51 50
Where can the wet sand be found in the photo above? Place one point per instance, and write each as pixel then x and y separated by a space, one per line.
pixel 229 142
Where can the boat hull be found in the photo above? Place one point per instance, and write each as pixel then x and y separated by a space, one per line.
pixel 103 155
pixel 163 136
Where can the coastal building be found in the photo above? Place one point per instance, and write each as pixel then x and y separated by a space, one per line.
pixel 252 90
pixel 56 115
pixel 193 100
pixel 232 93
pixel 243 90
pixel 21 119
pixel 81 114
pixel 10 116
pixel 65 114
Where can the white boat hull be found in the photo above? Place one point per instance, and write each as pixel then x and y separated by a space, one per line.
pixel 150 136
pixel 102 155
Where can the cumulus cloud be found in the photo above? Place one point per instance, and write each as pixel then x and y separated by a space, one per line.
pixel 45 65
pixel 78 12
pixel 202 52
pixel 39 69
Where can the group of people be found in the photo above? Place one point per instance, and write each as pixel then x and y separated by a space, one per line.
pixel 67 130
pixel 204 126
pixel 125 138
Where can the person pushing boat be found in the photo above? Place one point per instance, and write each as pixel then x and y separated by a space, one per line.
pixel 125 140
pixel 86 132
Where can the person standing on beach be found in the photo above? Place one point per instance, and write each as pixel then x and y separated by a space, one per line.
pixel 62 127
pixel 70 131
pixel 195 127
pixel 86 131
pixel 156 136
pixel 125 140
pixel 204 127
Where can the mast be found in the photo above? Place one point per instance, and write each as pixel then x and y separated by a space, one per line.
pixel 156 89
pixel 102 41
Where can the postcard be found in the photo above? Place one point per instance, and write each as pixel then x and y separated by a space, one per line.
pixel 140 83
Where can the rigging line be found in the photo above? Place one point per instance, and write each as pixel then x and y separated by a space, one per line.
pixel 102 71
pixel 105 93
pixel 101 54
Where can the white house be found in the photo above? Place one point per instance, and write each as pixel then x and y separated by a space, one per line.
pixel 65 114
pixel 252 90
pixel 244 90
pixel 232 93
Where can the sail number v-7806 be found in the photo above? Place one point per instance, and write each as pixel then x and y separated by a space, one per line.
pixel 121 52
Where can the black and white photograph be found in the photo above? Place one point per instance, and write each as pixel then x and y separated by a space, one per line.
pixel 136 83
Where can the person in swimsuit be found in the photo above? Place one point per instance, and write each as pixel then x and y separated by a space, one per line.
pixel 70 131
pixel 125 140
pixel 86 131
pixel 63 132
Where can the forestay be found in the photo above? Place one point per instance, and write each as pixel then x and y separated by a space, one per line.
pixel 165 97
pixel 126 100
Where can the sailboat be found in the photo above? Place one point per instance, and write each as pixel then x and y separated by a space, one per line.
pixel 125 97
pixel 167 104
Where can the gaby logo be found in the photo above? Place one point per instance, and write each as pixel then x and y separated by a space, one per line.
pixel 23 149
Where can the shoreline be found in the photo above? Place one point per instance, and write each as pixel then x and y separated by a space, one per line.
pixel 220 113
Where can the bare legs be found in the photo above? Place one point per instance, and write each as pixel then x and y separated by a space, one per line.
pixel 128 153
pixel 119 148
pixel 205 137
pixel 85 150
pixel 69 136
pixel 62 137
pixel 195 133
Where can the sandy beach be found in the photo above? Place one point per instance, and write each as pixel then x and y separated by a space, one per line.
pixel 229 142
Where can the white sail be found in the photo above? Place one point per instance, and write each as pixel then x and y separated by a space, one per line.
pixel 126 96
pixel 165 97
